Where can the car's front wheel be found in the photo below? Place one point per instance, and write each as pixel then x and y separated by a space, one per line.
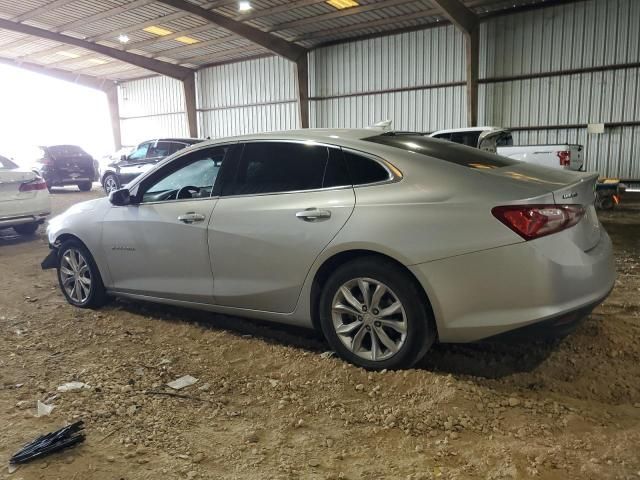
pixel 110 183
pixel 374 315
pixel 84 186
pixel 26 228
pixel 79 277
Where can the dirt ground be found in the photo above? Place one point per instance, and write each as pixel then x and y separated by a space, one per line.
pixel 268 403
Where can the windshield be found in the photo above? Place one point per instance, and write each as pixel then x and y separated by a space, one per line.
pixel 443 150
pixel 67 151
pixel 6 164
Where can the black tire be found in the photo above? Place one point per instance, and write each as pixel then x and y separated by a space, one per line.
pixel 110 177
pixel 97 294
pixel 420 326
pixel 85 186
pixel 26 228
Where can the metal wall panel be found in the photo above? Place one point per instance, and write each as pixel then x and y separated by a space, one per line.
pixel 593 33
pixel 575 35
pixel 246 120
pixel 151 108
pixel 138 129
pixel 150 96
pixel 370 68
pixel 247 97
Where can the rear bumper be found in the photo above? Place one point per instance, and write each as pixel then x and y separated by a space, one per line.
pixel 58 179
pixel 494 291
pixel 6 222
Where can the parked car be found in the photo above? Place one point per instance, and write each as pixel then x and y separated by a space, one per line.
pixel 128 166
pixel 499 140
pixel 62 165
pixel 384 242
pixel 24 199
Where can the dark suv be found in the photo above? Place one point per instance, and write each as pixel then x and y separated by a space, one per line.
pixel 62 165
pixel 145 156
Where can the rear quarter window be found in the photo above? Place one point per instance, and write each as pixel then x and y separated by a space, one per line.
pixel 443 150
pixel 364 170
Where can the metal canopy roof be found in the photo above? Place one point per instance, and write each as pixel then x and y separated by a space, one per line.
pixel 191 41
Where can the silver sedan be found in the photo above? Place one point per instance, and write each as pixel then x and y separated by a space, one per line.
pixel 384 242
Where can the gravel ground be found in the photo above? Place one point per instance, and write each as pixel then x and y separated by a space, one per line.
pixel 269 404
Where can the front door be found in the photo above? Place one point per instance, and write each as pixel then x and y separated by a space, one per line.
pixel 158 247
pixel 286 202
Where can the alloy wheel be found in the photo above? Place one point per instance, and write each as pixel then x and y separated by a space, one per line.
pixel 110 184
pixel 369 319
pixel 75 275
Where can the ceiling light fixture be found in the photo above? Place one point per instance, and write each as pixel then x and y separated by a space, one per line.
pixel 122 38
pixel 187 40
pixel 244 6
pixel 342 4
pixel 161 32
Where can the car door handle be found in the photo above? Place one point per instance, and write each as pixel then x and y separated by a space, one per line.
pixel 191 217
pixel 313 214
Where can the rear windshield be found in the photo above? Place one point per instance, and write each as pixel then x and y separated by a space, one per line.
pixel 443 150
pixel 6 164
pixel 67 151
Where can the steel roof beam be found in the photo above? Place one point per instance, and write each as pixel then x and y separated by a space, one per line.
pixel 157 66
pixel 271 42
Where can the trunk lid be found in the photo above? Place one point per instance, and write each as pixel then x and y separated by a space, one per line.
pixel 568 188
pixel 10 181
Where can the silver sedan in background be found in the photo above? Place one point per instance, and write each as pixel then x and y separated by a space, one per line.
pixel 384 242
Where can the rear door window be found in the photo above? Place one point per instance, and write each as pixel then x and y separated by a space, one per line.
pixel 159 150
pixel 280 167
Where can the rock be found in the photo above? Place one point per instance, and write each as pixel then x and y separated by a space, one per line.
pixel 513 402
pixel 314 462
pixel 300 423
pixel 198 457
pixel 205 387
pixel 252 437
pixel 111 459
pixel 359 387
pixel 454 435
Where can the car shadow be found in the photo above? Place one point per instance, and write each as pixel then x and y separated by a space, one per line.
pixel 270 332
pixel 493 360
pixel 9 237
pixel 488 359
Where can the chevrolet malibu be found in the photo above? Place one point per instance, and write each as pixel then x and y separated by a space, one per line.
pixel 384 242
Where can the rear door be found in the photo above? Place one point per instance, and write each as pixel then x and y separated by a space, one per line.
pixel 286 201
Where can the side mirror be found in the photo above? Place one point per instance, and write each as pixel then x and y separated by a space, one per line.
pixel 123 158
pixel 120 198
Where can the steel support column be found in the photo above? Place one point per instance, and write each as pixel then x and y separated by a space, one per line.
pixel 189 87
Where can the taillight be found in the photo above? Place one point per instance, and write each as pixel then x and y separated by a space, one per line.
pixel 535 221
pixel 565 158
pixel 37 184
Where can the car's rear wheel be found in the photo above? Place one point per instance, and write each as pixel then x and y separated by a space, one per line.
pixel 84 186
pixel 26 228
pixel 110 183
pixel 374 315
pixel 79 277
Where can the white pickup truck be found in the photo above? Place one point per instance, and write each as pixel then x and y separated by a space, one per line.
pixel 499 140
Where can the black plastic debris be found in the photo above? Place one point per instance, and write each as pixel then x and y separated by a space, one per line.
pixel 50 443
